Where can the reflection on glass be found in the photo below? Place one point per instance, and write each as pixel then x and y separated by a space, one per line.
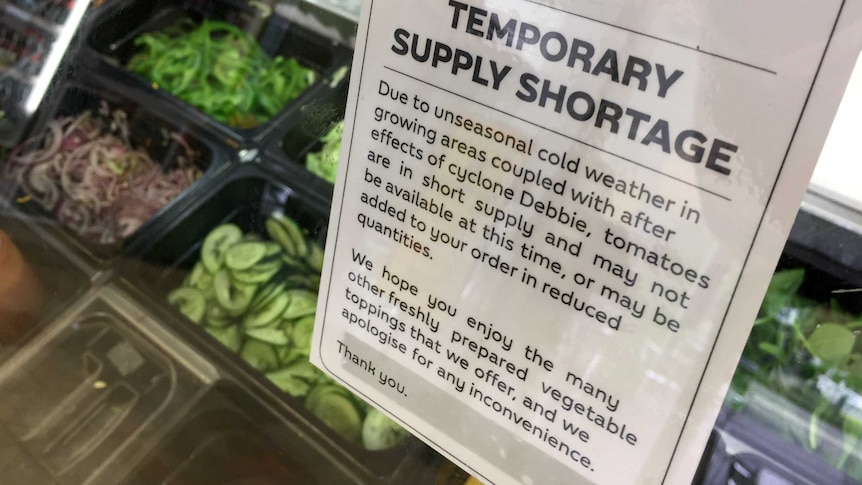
pixel 801 371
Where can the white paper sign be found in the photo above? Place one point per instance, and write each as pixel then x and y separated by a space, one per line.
pixel 554 221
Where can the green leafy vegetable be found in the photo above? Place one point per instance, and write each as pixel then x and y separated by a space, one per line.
pixel 782 287
pixel 325 162
pixel 808 353
pixel 832 343
pixel 219 69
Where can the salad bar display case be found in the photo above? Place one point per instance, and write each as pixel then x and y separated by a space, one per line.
pixel 169 191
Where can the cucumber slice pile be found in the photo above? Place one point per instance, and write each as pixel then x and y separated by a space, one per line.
pixel 258 298
pixel 379 432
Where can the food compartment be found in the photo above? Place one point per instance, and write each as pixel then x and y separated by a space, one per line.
pixel 104 162
pixel 230 439
pixel 800 375
pixel 314 138
pixel 236 63
pixel 86 398
pixel 243 267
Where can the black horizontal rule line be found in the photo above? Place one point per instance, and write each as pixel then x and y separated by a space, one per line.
pixel 654 37
pixel 629 160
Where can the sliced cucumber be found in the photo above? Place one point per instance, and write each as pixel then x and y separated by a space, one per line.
pixel 266 293
pixel 254 275
pixel 302 332
pixel 325 380
pixel 268 263
pixel 292 261
pixel 258 298
pixel 260 355
pixel 217 242
pixel 315 258
pixel 194 275
pixel 314 284
pixel 204 281
pixel 305 370
pixel 229 336
pixel 339 414
pixel 293 231
pixel 191 302
pixel 273 336
pixel 244 255
pixel 320 392
pixel 287 382
pixel 302 303
pixel 298 237
pixel 289 355
pixel 234 298
pixel 273 249
pixel 278 234
pixel 298 280
pixel 379 432
pixel 268 313
pixel 361 405
pixel 294 355
pixel 217 316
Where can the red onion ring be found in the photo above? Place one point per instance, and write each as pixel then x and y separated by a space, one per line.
pixel 85 171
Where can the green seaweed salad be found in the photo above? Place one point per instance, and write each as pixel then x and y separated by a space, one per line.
pixel 801 373
pixel 258 298
pixel 221 70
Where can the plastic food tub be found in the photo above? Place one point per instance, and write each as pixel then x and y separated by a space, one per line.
pixel 229 438
pixel 89 395
pixel 246 196
pixel 152 126
pixel 301 137
pixel 113 35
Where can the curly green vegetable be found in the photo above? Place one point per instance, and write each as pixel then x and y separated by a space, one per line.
pixel 219 69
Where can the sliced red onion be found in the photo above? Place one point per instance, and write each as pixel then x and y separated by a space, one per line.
pixel 86 172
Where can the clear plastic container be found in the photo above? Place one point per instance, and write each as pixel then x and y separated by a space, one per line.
pixel 90 394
